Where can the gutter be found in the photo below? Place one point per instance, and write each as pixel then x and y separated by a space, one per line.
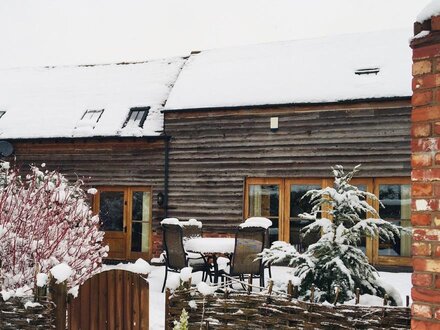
pixel 166 173
pixel 298 104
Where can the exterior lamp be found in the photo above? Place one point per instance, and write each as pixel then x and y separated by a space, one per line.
pixel 274 124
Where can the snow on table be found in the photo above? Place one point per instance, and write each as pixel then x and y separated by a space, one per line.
pixel 210 245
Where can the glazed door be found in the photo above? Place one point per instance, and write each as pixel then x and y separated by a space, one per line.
pixel 125 215
pixel 264 198
pixel 296 204
pixel 139 225
pixel 366 243
pixel 112 207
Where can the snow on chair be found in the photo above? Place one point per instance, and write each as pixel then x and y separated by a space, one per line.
pixel 191 229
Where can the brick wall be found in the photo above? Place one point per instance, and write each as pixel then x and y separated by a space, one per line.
pixel 425 162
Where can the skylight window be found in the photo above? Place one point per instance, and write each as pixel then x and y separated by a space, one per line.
pixel 90 118
pixel 136 117
pixel 2 113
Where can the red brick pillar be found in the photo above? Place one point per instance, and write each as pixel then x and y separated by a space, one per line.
pixel 425 162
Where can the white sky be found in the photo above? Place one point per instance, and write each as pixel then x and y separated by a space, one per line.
pixel 54 32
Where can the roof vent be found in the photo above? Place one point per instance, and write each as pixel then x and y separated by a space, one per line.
pixel 367 71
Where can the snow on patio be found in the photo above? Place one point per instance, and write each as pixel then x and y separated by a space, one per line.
pixel 400 281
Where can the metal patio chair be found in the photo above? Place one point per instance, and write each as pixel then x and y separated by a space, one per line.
pixel 266 238
pixel 177 258
pixel 249 242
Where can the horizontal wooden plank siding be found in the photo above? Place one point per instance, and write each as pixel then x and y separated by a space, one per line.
pixel 213 151
pixel 104 162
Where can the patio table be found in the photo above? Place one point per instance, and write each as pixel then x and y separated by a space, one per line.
pixel 212 246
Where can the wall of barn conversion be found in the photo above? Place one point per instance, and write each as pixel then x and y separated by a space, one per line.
pixel 213 151
pixel 102 162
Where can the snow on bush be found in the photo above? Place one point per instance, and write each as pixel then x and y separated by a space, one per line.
pixel 335 260
pixel 280 253
pixel 46 223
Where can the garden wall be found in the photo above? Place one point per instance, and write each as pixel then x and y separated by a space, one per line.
pixel 14 315
pixel 264 311
pixel 425 177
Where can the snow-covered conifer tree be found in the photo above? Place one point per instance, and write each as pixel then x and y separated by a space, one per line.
pixel 335 260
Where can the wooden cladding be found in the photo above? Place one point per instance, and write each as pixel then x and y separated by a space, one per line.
pixel 100 162
pixel 212 152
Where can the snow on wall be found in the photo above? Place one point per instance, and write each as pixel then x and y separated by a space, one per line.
pixel 301 71
pixel 432 9
pixel 49 102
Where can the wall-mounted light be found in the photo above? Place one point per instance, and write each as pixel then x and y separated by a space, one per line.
pixel 160 199
pixel 273 124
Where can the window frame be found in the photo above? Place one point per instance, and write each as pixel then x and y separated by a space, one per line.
pixel 372 184
pixel 388 260
pixel 144 116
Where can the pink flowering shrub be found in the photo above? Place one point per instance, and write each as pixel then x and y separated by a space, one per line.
pixel 46 221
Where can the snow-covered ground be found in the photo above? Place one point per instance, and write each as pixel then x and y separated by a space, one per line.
pixel 400 281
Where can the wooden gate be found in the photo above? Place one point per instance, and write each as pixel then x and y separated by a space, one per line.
pixel 114 299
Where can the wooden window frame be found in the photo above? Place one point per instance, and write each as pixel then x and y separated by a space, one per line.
pixel 386 260
pixel 266 181
pixel 372 184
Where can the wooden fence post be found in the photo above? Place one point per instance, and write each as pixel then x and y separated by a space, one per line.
pixel 58 293
pixel 167 307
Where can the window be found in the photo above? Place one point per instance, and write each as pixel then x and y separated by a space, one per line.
pixel 89 118
pixel 136 117
pixel 2 113
pixel 281 200
pixel 395 196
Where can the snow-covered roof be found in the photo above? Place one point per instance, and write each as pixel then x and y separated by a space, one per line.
pixel 301 71
pixel 50 102
pixel 431 9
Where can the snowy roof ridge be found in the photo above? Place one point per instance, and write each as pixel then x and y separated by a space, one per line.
pixel 88 65
pixel 317 70
pixel 35 96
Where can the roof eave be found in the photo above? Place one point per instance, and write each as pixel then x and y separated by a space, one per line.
pixel 293 104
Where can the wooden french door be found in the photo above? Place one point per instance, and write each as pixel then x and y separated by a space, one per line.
pixel 125 214
pixel 264 197
pixel 295 204
pixel 281 201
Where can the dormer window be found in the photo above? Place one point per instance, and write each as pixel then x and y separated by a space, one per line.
pixel 136 117
pixel 90 118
